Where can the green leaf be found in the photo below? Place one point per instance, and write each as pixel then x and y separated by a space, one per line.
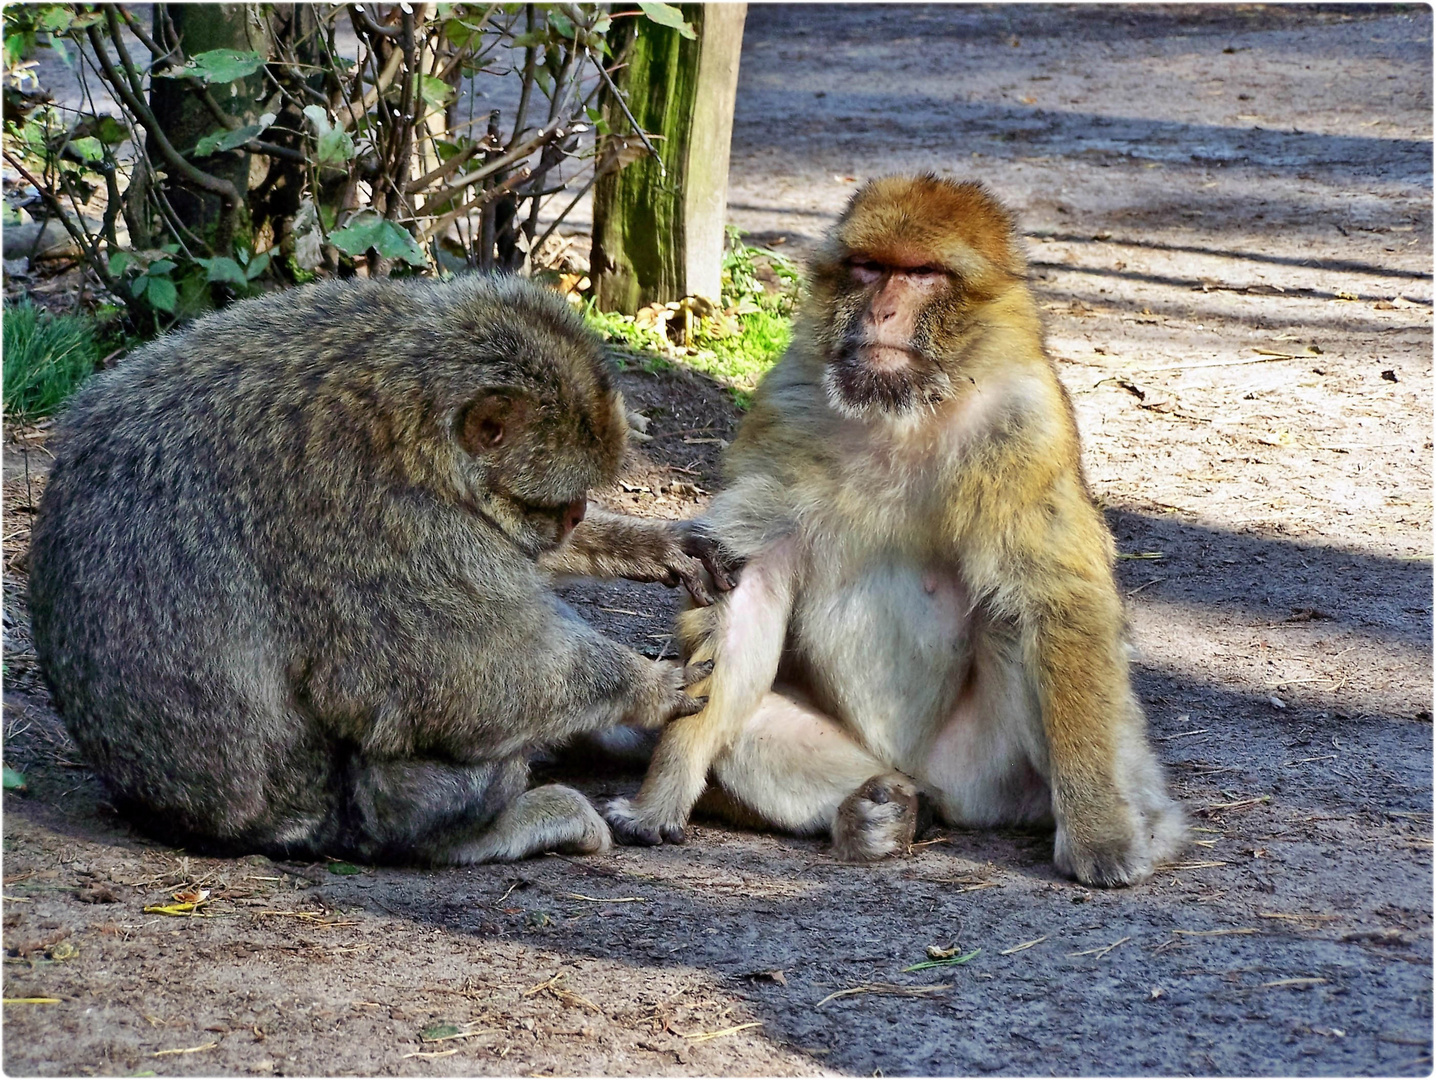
pixel 222 268
pixel 55 19
pixel 161 293
pixel 369 230
pixel 160 266
pixel 14 781
pixel 89 149
pixel 561 23
pixel 334 147
pixel 110 131
pixel 667 15
pixel 223 65
pixel 948 962
pixel 463 35
pixel 15 45
pixel 120 261
pixel 439 1031
pixel 258 265
pixel 435 91
pixel 221 141
pixel 318 116
pixel 344 869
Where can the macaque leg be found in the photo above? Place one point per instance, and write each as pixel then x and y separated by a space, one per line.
pixel 743 639
pixel 441 813
pixel 795 768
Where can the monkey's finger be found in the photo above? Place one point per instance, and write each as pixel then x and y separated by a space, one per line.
pixel 688 705
pixel 696 673
pixel 719 563
pixel 693 582
pixel 627 827
pixel 722 569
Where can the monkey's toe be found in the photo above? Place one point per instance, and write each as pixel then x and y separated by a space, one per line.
pixel 673 834
pixel 630 828
pixel 877 820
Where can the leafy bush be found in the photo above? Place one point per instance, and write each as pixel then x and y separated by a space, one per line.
pixel 47 357
pixel 309 150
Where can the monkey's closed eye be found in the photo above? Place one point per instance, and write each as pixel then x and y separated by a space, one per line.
pixel 866 271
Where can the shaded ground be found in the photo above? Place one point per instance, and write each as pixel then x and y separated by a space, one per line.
pixel 1230 219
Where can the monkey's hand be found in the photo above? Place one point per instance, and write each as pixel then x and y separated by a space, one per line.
pixel 673 553
pixel 722 565
pixel 644 821
pixel 672 694
pixel 630 825
pixel 1119 845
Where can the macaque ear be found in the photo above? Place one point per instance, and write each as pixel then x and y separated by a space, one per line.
pixel 490 421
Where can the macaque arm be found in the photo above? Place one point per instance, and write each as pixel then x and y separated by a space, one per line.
pixel 743 639
pixel 1070 620
pixel 608 545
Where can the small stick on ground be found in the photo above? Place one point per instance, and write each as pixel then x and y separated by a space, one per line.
pixel 191 1049
pixel 885 988
pixel 703 1036
pixel 1102 950
pixel 1025 945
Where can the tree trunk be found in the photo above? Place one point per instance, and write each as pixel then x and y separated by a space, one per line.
pixel 184 117
pixel 659 237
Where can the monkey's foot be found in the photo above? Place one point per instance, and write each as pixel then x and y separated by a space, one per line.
pixel 1130 848
pixel 548 818
pixel 631 826
pixel 877 820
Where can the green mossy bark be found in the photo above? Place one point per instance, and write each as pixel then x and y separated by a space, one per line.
pixel 202 27
pixel 656 230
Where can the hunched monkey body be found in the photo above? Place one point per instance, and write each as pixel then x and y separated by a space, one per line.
pixel 928 606
pixel 290 575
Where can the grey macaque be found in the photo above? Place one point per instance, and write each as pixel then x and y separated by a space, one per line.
pixel 290 576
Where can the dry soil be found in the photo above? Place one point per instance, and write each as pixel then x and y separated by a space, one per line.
pixel 1229 220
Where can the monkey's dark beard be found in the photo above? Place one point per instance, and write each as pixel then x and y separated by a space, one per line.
pixel 855 388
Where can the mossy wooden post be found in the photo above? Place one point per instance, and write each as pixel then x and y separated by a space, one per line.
pixel 659 237
pixel 185 119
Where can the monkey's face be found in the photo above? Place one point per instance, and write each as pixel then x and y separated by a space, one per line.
pixel 897 287
pixel 529 420
pixel 539 458
pixel 882 357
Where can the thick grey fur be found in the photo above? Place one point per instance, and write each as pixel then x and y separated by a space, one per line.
pixel 282 609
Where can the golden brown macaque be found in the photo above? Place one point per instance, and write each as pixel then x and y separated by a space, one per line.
pixel 928 605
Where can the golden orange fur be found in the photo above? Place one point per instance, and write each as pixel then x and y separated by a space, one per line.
pixel 929 600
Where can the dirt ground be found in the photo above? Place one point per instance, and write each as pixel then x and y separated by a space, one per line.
pixel 1229 219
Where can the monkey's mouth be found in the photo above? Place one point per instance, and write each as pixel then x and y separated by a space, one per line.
pixel 890 358
pixel 865 377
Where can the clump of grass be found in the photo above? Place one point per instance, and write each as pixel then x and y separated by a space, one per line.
pixel 47 357
pixel 737 344
pixel 740 360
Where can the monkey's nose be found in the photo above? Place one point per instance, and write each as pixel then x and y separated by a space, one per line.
pixel 572 514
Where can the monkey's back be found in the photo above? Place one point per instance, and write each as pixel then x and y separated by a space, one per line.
pixel 207 537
